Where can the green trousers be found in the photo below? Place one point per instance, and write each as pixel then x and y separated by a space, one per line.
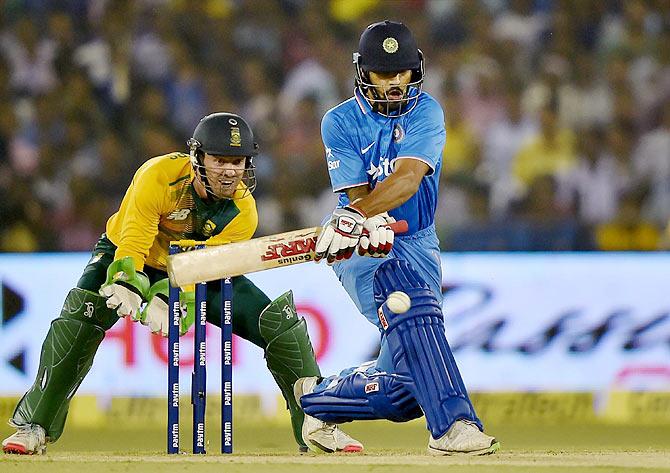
pixel 74 337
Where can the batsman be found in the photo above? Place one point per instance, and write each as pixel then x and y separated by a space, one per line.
pixel 384 152
pixel 203 195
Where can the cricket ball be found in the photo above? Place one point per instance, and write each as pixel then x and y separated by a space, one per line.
pixel 398 302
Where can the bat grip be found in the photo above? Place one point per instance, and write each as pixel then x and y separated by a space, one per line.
pixel 399 227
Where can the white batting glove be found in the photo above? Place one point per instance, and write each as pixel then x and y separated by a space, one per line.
pixel 340 235
pixel 377 238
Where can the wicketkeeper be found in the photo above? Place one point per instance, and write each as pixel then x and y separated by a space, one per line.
pixel 204 195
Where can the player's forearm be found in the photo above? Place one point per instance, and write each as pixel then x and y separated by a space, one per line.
pixel 389 194
pixel 136 241
pixel 137 256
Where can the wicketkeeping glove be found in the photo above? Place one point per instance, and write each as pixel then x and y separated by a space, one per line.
pixel 377 238
pixel 125 288
pixel 340 235
pixel 156 313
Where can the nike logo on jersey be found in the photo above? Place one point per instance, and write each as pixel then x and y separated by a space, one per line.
pixel 367 148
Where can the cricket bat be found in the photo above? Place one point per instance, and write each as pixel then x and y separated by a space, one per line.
pixel 257 254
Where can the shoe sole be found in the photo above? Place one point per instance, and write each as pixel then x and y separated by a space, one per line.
pixel 18 449
pixel 317 447
pixel 352 449
pixel 485 451
pixel 347 449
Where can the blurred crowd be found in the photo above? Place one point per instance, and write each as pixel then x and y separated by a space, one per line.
pixel 557 111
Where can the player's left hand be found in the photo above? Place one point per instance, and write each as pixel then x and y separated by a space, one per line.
pixel 340 235
pixel 377 238
pixel 125 288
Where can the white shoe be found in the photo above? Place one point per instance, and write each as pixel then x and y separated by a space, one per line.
pixel 321 436
pixel 29 439
pixel 463 437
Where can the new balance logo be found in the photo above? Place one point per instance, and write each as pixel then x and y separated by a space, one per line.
pixel 180 214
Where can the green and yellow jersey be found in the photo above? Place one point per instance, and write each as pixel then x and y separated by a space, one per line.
pixel 161 205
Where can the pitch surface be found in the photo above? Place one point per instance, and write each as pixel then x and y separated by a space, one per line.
pixel 389 448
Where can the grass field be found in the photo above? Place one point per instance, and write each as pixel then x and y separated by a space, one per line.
pixel 389 448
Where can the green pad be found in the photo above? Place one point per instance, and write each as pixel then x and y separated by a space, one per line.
pixel 289 353
pixel 67 356
pixel 88 306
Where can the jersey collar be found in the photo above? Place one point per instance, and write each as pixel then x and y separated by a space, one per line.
pixel 366 108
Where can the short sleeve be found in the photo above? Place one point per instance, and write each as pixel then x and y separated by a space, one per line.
pixel 345 165
pixel 141 209
pixel 425 134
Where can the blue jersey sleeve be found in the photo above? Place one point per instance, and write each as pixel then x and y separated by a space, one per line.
pixel 425 134
pixel 345 165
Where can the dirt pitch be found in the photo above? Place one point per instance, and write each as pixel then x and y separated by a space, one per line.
pixel 389 448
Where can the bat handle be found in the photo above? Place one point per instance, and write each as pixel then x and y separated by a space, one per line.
pixel 399 227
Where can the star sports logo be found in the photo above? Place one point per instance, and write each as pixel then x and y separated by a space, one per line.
pixel 384 169
pixel 332 163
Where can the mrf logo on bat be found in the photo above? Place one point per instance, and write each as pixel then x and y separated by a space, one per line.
pixel 296 250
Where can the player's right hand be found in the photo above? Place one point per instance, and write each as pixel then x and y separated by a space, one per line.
pixel 377 238
pixel 156 313
pixel 340 235
pixel 125 288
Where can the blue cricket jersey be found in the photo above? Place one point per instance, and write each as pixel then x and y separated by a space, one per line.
pixel 362 147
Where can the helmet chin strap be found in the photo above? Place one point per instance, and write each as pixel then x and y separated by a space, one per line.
pixel 200 172
pixel 383 104
pixel 404 105
pixel 208 188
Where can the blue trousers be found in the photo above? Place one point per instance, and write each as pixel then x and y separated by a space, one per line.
pixel 356 274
